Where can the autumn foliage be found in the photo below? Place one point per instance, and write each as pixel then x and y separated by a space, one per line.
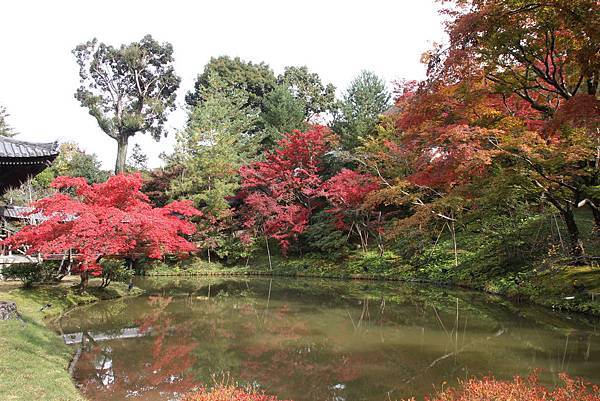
pixel 520 389
pixel 228 393
pixel 281 193
pixel 110 219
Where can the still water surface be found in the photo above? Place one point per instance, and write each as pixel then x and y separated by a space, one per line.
pixel 308 339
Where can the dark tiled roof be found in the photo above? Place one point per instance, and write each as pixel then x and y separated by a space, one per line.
pixel 13 148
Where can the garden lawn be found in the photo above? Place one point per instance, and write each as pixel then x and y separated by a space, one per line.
pixel 34 359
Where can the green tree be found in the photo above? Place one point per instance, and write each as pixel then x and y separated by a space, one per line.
pixel 358 113
pixel 247 81
pixel 214 146
pixel 138 160
pixel 74 162
pixel 5 129
pixel 308 88
pixel 208 154
pixel 282 113
pixel 127 90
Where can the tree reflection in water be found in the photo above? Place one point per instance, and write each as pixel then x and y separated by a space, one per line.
pixel 162 370
pixel 311 340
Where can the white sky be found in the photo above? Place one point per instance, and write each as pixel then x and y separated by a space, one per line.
pixel 335 38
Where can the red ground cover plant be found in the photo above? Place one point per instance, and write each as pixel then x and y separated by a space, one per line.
pixel 520 389
pixel 228 393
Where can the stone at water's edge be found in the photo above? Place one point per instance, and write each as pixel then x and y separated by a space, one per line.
pixel 8 310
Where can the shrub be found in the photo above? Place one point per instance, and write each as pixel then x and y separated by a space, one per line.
pixel 30 273
pixel 114 270
pixel 228 393
pixel 372 262
pixel 520 389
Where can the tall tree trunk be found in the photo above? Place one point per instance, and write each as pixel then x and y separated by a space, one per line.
pixel 121 154
pixel 577 250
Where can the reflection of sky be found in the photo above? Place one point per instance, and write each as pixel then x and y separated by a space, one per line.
pixel 104 367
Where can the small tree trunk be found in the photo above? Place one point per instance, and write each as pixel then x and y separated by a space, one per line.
pixel 85 278
pixel 596 214
pixel 453 231
pixel 121 154
pixel 268 252
pixel 577 250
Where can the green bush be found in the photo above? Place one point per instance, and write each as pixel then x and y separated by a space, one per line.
pixel 372 262
pixel 30 273
pixel 115 270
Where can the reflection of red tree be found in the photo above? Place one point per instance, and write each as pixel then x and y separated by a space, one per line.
pixel 291 356
pixel 150 375
pixel 171 357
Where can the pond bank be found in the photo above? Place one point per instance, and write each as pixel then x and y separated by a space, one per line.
pixel 34 362
pixel 564 288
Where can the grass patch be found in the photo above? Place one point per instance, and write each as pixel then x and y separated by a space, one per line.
pixel 34 359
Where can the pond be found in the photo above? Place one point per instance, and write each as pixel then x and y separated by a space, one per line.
pixel 311 339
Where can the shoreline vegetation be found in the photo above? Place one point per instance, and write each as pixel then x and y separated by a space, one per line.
pixel 564 288
pixel 486 388
pixel 35 359
pixel 33 350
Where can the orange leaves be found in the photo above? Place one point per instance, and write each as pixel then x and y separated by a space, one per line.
pixel 228 393
pixel 520 389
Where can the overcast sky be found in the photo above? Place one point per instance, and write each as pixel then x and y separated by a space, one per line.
pixel 336 39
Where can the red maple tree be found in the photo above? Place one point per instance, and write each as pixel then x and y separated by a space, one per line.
pixel 281 193
pixel 346 191
pixel 109 219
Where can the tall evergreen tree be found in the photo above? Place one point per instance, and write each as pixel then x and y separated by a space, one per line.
pixel 211 149
pixel 282 113
pixel 247 81
pixel 127 90
pixel 364 100
pixel 5 129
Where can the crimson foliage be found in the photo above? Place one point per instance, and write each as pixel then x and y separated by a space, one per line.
pixel 281 193
pixel 113 219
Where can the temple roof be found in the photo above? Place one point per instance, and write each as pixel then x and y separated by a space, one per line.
pixel 20 160
pixel 14 148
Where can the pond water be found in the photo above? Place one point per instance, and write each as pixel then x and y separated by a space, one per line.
pixel 310 339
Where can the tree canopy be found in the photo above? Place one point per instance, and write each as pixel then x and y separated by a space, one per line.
pixel 127 90
pixel 233 77
pixel 109 219
pixel 5 128
pixel 358 112
pixel 307 87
